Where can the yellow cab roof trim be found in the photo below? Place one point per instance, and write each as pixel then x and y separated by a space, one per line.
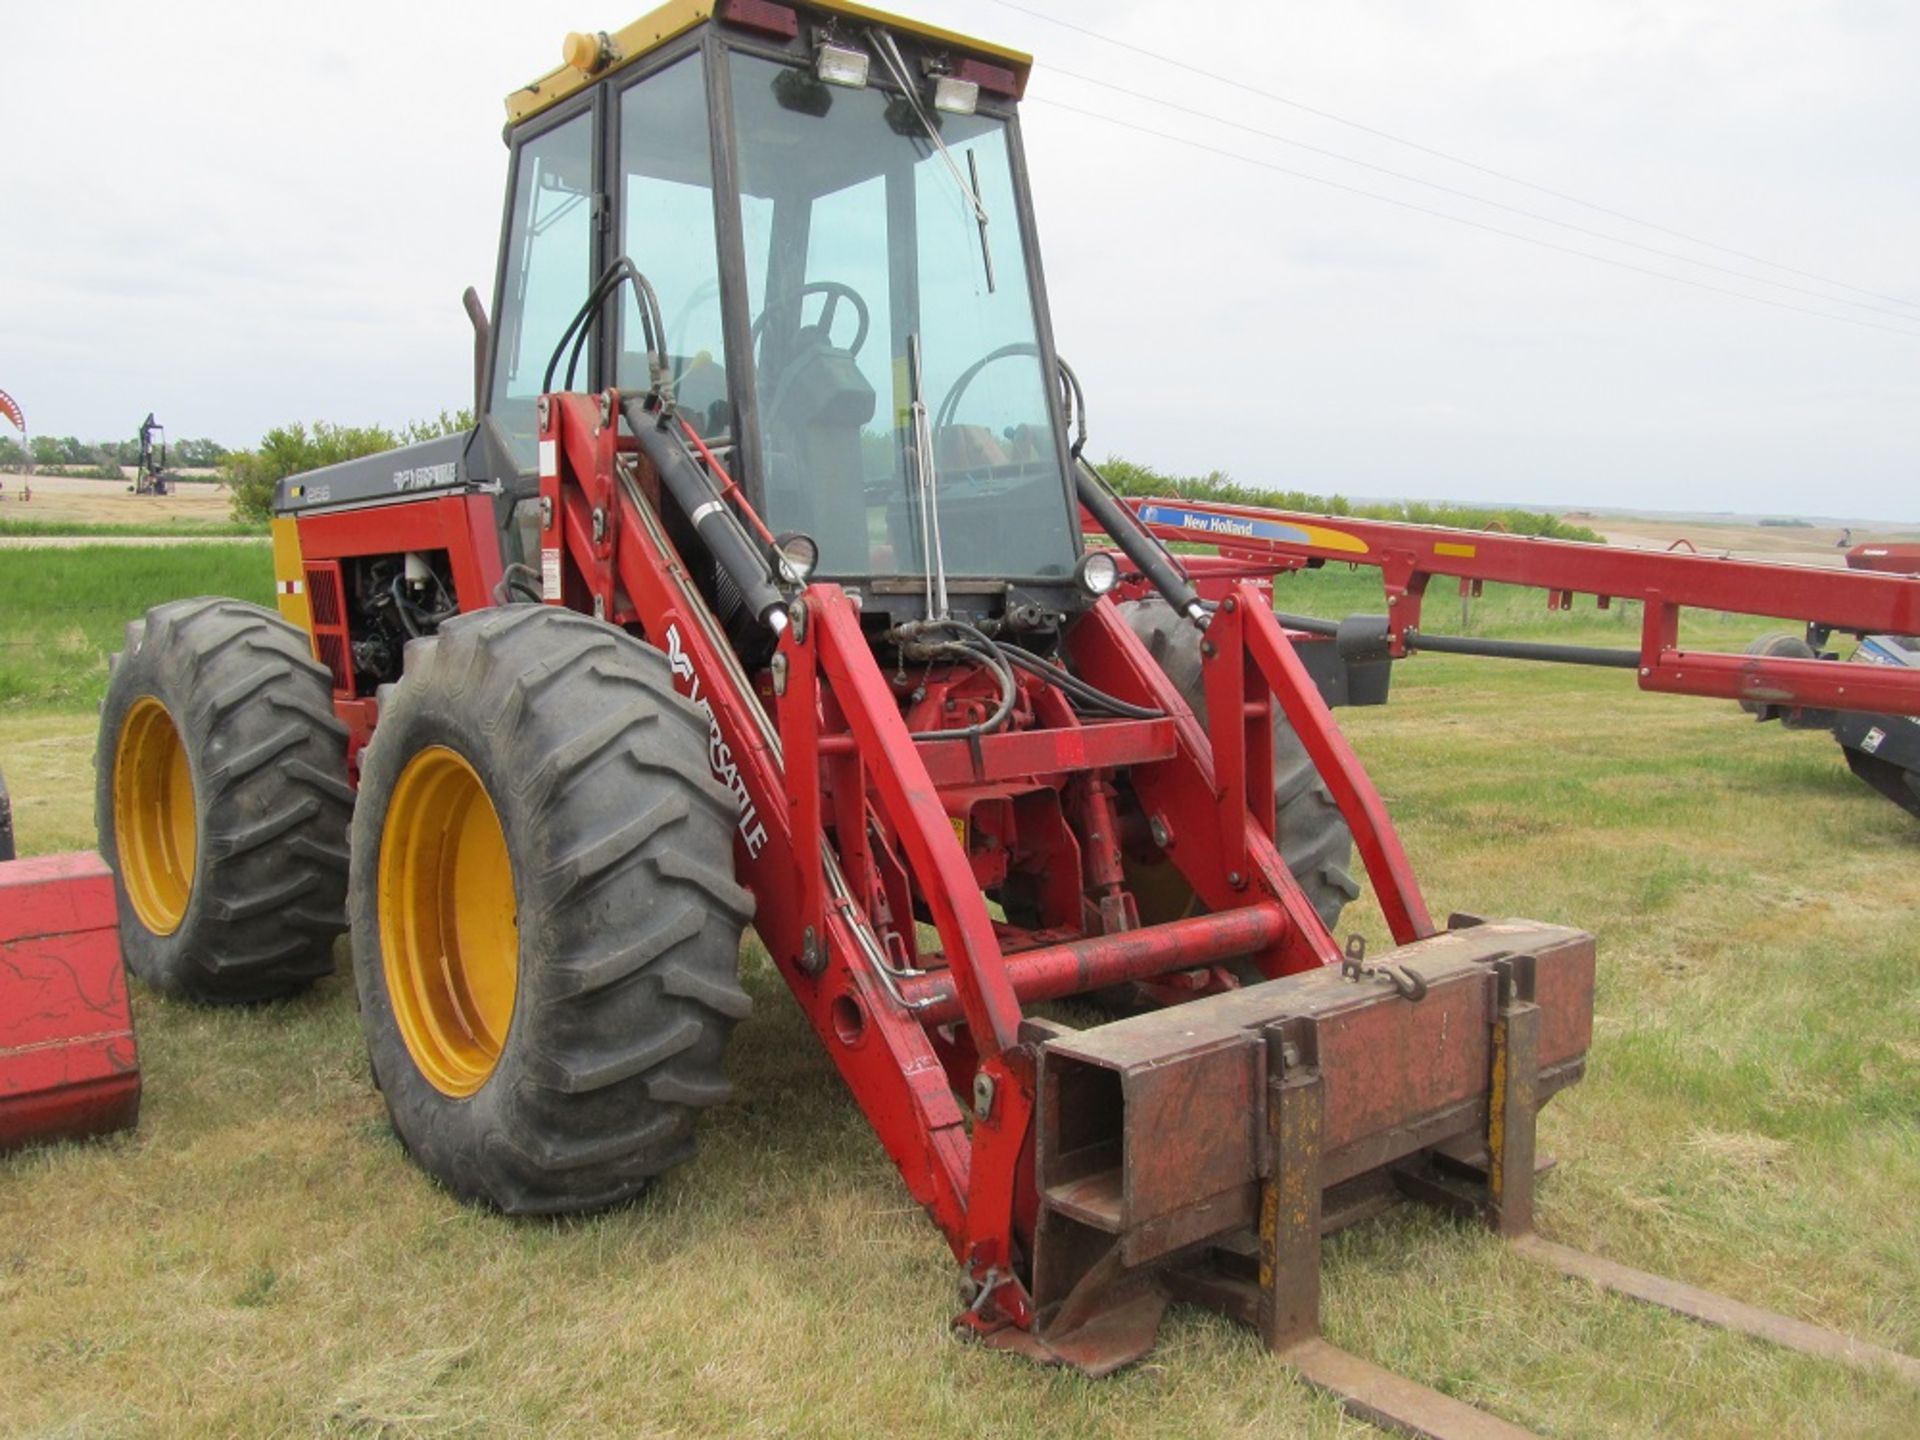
pixel 657 27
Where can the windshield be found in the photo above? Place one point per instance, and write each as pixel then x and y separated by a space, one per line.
pixel 860 245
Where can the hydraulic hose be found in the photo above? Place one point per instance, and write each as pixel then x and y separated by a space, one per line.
pixel 1135 543
pixel 714 520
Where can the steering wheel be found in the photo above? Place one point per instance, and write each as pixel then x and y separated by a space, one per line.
pixel 950 406
pixel 835 293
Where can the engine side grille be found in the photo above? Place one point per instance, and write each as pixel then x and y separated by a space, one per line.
pixel 331 646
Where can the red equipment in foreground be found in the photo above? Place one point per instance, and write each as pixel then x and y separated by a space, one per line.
pixel 68 1068
pixel 843 666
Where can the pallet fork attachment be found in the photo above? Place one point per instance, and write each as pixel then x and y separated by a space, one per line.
pixel 1349 1102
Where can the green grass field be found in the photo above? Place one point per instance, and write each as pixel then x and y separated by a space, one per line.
pixel 63 611
pixel 261 1259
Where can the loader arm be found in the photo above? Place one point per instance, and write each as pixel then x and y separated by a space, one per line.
pixel 834 715
pixel 847 816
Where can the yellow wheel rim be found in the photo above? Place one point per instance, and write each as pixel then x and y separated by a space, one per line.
pixel 449 939
pixel 154 828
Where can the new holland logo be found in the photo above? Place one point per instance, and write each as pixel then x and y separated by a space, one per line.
pixel 1210 523
pixel 719 753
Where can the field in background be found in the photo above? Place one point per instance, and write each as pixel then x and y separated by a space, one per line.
pixel 261 1258
pixel 69 506
pixel 1798 544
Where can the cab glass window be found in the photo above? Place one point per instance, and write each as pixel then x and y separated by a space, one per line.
pixel 864 248
pixel 548 272
pixel 667 227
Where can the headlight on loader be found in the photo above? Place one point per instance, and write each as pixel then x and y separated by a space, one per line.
pixel 1097 572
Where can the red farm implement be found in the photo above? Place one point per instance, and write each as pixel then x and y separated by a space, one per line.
pixel 1871 704
pixel 68 1069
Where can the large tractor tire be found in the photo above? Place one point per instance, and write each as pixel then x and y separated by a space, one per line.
pixel 222 803
pixel 546 925
pixel 1313 838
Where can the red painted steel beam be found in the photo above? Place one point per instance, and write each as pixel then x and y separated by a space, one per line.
pixel 1100 745
pixel 1055 971
pixel 1183 794
pixel 1817 684
pixel 1409 556
pixel 911 801
pixel 882 1053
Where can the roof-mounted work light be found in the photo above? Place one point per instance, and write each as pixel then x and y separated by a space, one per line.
pixel 839 64
pixel 954 95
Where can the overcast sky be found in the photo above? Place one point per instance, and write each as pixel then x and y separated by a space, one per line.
pixel 237 215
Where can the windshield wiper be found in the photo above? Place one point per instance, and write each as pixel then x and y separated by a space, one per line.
pixel 927 482
pixel 897 67
pixel 980 214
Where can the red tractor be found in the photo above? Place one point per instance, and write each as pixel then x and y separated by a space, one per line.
pixel 759 595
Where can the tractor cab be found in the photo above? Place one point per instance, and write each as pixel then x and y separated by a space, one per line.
pixel 831 207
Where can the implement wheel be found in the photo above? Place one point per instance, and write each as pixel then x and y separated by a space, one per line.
pixel 222 802
pixel 546 926
pixel 1782 645
pixel 1312 837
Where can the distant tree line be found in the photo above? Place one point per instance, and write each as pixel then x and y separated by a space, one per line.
pixel 297 448
pixel 65 452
